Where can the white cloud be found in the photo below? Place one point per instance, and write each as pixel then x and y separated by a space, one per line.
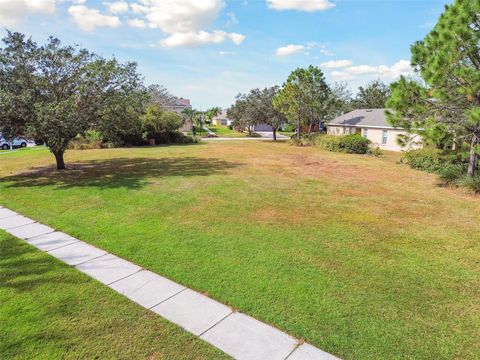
pixel 341 75
pixel 200 38
pixel 179 16
pixel 289 50
pixel 184 21
pixel 138 23
pixel 117 7
pixel 302 5
pixel 88 19
pixel 334 64
pixel 12 12
pixel 401 67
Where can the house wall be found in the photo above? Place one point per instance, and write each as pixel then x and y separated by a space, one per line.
pixel 375 135
pixel 187 126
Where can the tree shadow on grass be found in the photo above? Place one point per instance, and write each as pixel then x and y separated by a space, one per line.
pixel 22 267
pixel 130 173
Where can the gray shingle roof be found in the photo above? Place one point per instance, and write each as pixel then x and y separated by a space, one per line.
pixel 362 117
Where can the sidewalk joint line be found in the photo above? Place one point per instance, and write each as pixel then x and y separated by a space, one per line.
pixel 62 246
pixel 218 322
pixel 33 237
pixel 297 345
pixel 135 272
pixel 14 227
pixel 95 258
pixel 161 302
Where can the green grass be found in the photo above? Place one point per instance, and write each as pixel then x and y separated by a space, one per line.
pixel 224 131
pixel 360 256
pixel 52 311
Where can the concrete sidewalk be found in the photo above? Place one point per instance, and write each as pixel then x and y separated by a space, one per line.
pixel 237 334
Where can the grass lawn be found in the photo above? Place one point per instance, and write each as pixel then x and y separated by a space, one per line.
pixel 52 311
pixel 224 131
pixel 357 255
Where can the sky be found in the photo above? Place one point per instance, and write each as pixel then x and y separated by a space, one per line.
pixel 210 50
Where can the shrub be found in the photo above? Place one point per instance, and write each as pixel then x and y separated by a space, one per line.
pixel 433 160
pixel 451 173
pixel 91 140
pixel 429 160
pixel 355 144
pixel 471 183
pixel 158 122
pixel 352 144
pixel 176 137
pixel 305 140
pixel 374 151
pixel 330 142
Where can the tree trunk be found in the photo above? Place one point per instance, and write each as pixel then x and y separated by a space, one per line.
pixel 310 128
pixel 298 129
pixel 472 163
pixel 274 134
pixel 59 158
pixel 249 130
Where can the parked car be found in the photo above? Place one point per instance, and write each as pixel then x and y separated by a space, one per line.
pixel 16 142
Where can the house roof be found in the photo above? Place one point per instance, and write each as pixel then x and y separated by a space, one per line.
pixel 362 118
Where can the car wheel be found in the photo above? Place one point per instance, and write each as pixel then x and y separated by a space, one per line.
pixel 24 144
pixel 5 147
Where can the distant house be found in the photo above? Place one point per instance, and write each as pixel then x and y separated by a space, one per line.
pixel 178 105
pixel 372 124
pixel 221 119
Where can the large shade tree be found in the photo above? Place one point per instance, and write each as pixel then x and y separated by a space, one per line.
pixel 305 98
pixel 54 92
pixel 448 61
pixel 267 113
pixel 247 110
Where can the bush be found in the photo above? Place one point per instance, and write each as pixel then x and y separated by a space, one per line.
pixel 176 137
pixel 91 140
pixel 471 183
pixel 305 140
pixel 158 122
pixel 451 173
pixel 433 160
pixel 374 151
pixel 352 144
pixel 429 160
pixel 355 144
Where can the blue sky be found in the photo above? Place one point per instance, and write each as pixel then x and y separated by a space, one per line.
pixel 209 50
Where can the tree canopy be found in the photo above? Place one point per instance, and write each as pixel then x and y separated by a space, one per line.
pixel 54 92
pixel 305 98
pixel 448 61
pixel 372 96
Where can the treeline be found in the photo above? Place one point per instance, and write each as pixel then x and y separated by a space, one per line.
pixel 55 93
pixel 305 100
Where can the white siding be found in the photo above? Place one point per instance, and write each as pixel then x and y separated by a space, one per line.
pixel 375 136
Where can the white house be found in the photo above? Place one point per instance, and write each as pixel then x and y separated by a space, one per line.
pixel 372 124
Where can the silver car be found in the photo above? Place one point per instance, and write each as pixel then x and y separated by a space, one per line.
pixel 16 142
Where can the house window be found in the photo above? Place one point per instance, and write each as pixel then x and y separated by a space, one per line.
pixel 384 137
pixel 365 133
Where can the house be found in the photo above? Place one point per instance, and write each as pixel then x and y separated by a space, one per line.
pixel 187 125
pixel 221 119
pixel 178 105
pixel 372 124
